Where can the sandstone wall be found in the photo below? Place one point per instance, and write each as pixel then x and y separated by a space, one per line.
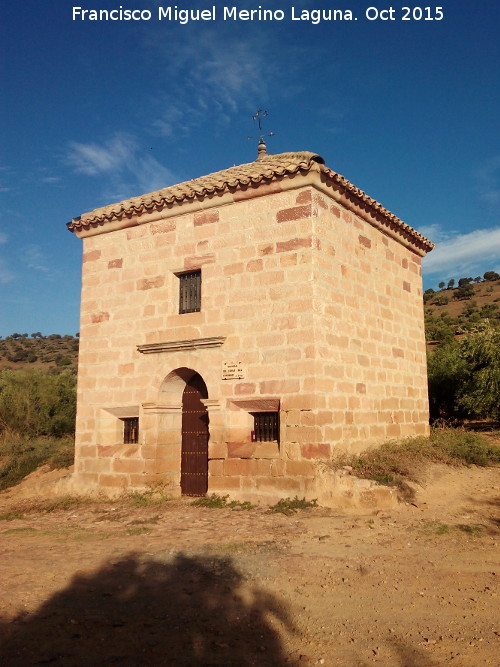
pixel 322 310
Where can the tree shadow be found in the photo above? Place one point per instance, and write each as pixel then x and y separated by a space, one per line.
pixel 410 656
pixel 489 512
pixel 482 426
pixel 192 610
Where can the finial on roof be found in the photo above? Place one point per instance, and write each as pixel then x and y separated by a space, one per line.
pixel 262 148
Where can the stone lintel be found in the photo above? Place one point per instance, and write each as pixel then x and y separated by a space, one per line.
pixel 211 404
pixel 154 409
pixel 257 404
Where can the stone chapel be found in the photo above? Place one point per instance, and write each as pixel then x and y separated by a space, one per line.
pixel 239 329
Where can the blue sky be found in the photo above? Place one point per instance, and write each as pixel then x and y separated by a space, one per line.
pixel 95 112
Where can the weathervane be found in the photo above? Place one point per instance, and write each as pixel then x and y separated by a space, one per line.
pixel 258 116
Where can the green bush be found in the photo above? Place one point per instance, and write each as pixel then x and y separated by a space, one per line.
pixel 22 456
pixel 464 378
pixel 289 506
pixel 35 402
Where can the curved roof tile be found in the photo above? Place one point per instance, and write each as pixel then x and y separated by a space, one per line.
pixel 265 169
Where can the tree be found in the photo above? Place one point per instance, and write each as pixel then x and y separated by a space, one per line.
pixel 447 372
pixel 451 283
pixel 488 310
pixel 464 377
pixel 470 308
pixel 442 285
pixel 480 395
pixel 464 292
pixel 491 275
pixel 477 279
pixel 464 281
pixel 442 300
pixel 428 294
pixel 37 334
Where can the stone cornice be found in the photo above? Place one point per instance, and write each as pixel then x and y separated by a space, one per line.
pixel 178 345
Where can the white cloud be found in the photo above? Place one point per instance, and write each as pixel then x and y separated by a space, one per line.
pixel 93 159
pixel 35 259
pixel 434 233
pixel 222 75
pixel 129 166
pixel 475 252
pixel 6 275
pixel 489 181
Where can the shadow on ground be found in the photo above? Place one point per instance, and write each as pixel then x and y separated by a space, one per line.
pixel 189 611
pixel 489 510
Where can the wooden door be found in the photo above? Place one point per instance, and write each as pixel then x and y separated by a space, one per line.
pixel 194 453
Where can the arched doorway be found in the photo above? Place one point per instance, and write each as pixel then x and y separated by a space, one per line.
pixel 194 451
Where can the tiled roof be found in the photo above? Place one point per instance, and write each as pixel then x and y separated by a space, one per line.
pixel 264 170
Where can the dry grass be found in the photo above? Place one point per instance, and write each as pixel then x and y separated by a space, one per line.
pixel 397 463
pixel 45 506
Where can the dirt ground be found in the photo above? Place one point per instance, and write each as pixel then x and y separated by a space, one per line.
pixel 172 584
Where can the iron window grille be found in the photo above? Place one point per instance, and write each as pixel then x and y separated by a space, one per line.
pixel 130 430
pixel 266 426
pixel 190 292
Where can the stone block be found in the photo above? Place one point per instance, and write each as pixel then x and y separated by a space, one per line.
pixel 113 481
pixel 157 466
pixel 150 283
pixel 315 450
pixel 216 468
pixel 293 244
pixel 163 227
pixel 274 387
pixel 91 256
pixel 241 450
pixel 294 213
pixel 300 468
pixel 223 484
pixel 304 197
pixel 128 465
pixel 282 485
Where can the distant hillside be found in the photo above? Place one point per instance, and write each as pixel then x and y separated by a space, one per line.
pixel 54 351
pixel 457 310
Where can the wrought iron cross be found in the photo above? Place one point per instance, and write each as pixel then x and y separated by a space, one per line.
pixel 258 116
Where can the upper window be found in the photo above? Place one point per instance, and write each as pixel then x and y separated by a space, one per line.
pixel 190 292
pixel 130 430
pixel 266 426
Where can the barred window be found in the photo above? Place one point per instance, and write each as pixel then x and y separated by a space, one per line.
pixel 266 426
pixel 130 430
pixel 190 292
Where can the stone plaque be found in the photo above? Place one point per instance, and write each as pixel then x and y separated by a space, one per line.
pixel 232 370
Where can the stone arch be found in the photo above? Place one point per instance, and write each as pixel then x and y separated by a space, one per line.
pixel 173 385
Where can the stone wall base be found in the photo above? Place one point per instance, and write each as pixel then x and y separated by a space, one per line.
pixel 336 489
